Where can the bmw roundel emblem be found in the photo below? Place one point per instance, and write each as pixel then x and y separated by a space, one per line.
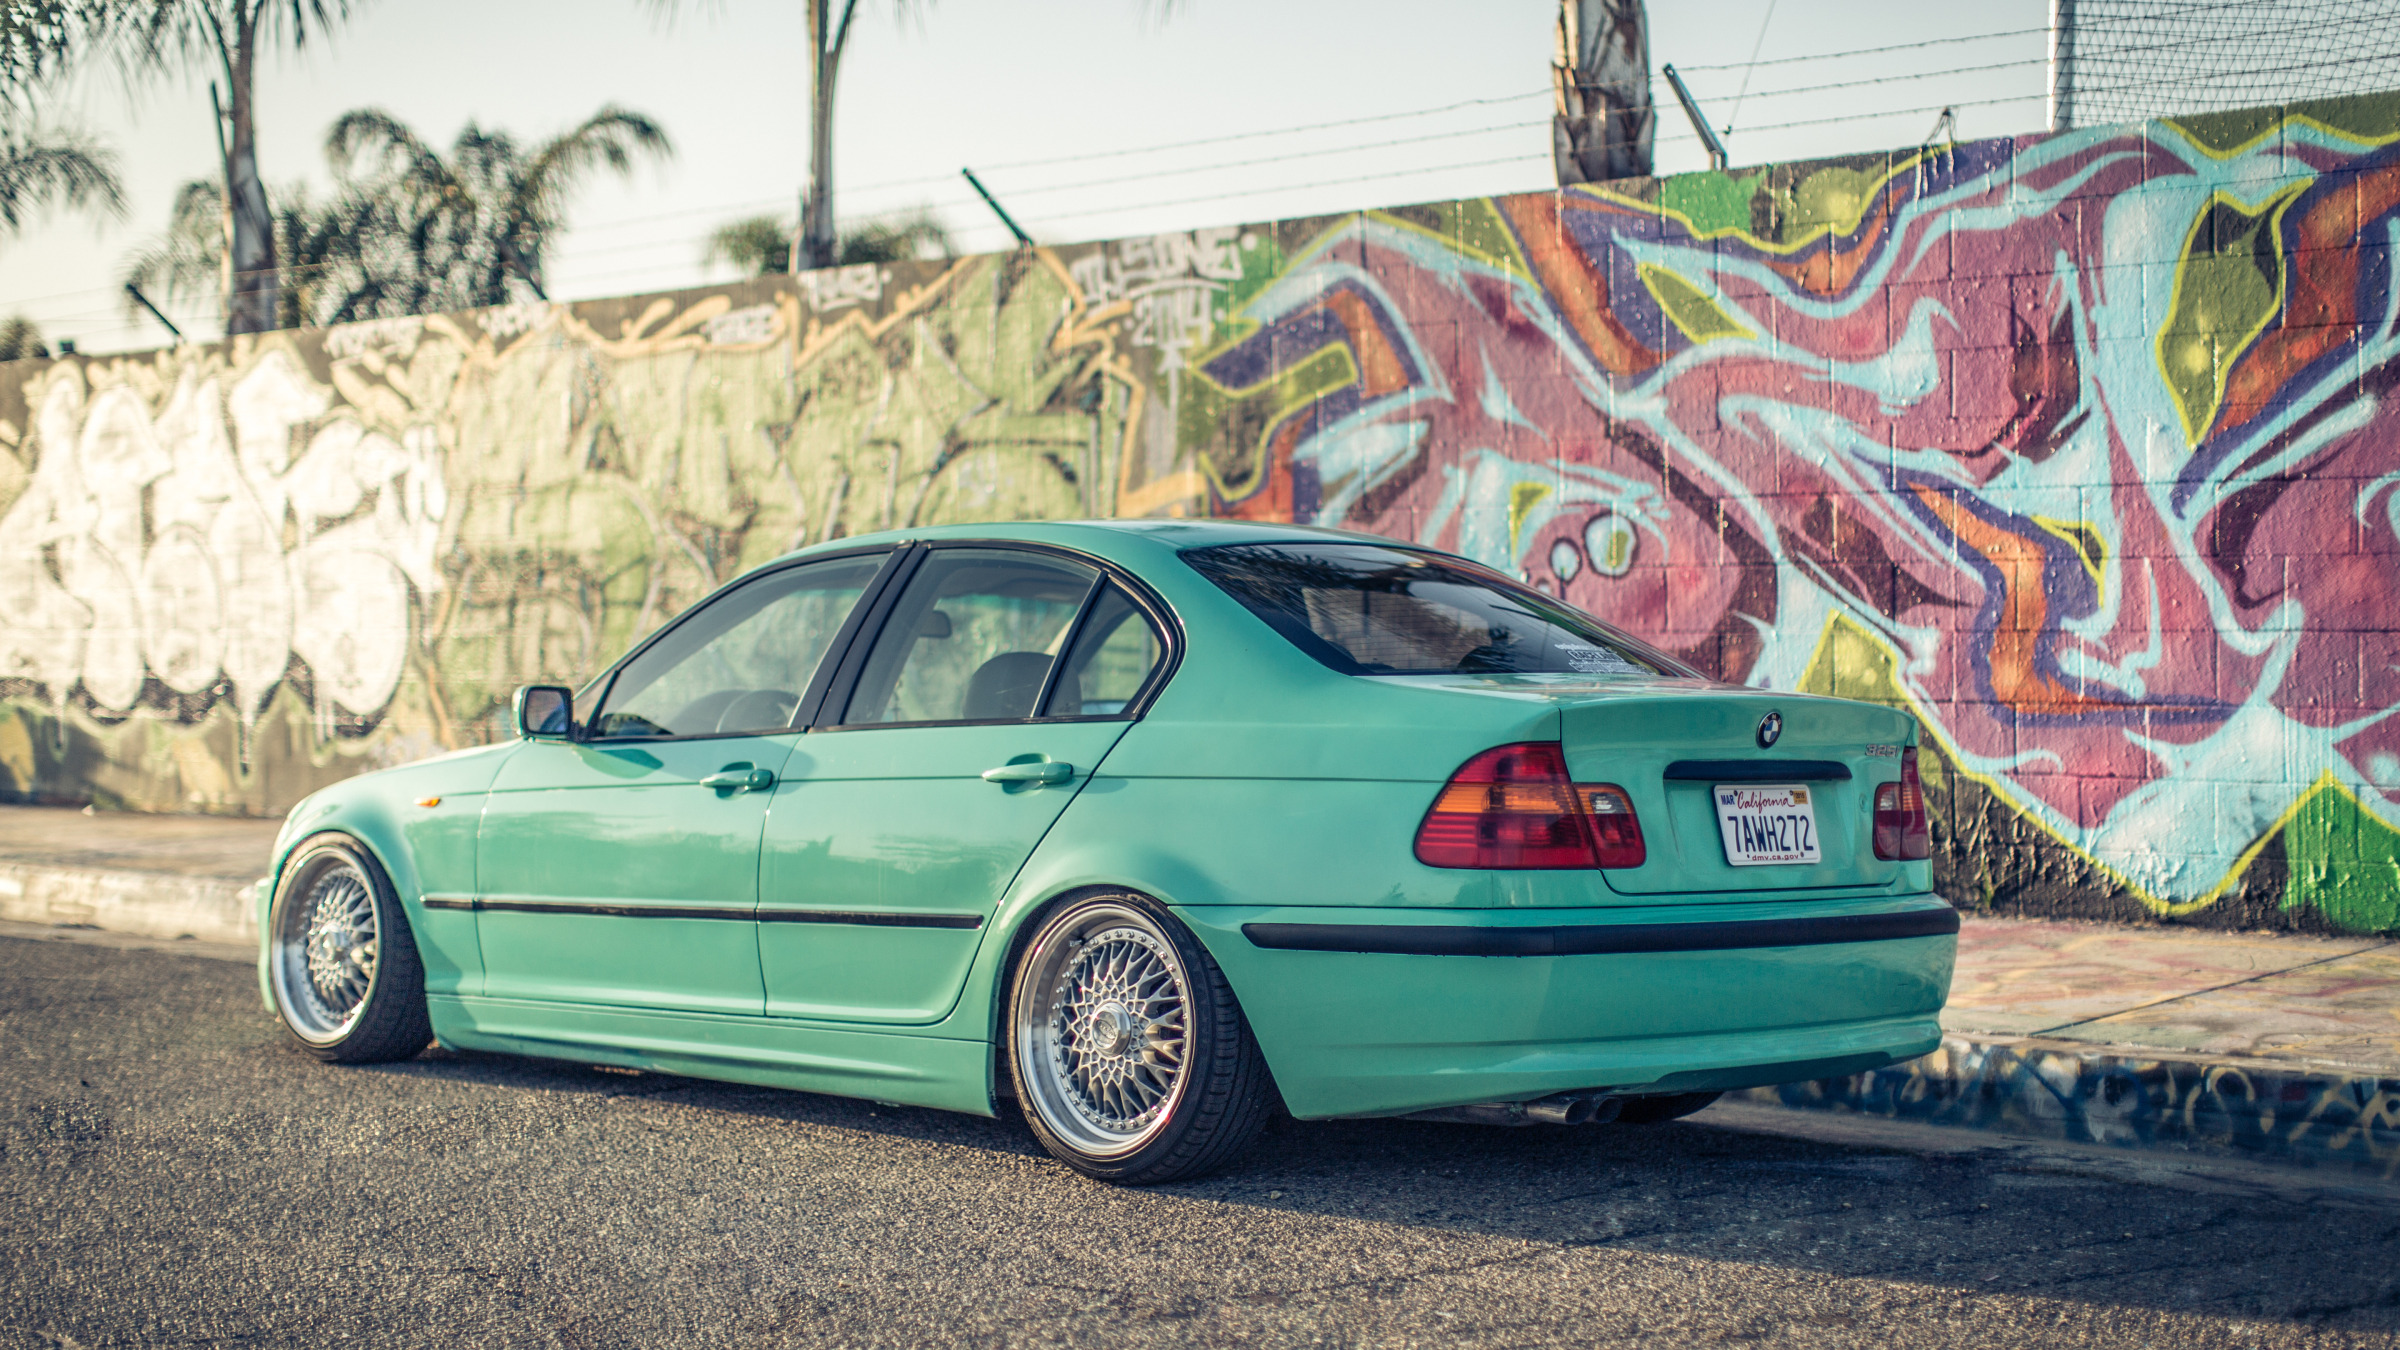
pixel 1770 730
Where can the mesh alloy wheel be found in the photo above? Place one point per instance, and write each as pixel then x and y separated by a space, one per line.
pixel 1128 1051
pixel 326 951
pixel 340 960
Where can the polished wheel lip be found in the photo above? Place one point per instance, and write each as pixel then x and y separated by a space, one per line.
pixel 1102 1029
pixel 324 950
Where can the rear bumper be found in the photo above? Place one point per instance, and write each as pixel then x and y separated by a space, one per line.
pixel 1366 1012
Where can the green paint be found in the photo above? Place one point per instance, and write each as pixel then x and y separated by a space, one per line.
pixel 1711 203
pixel 1700 317
pixel 2344 863
pixel 2228 287
pixel 1229 427
pixel 1834 197
pixel 2227 133
pixel 2373 119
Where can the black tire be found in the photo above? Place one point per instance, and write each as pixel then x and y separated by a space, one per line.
pixel 1085 1045
pixel 341 962
pixel 1660 1110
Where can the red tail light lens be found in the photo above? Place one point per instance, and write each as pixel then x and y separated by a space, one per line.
pixel 1513 807
pixel 1616 833
pixel 1903 828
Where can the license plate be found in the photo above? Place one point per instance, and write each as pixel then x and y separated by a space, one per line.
pixel 1766 824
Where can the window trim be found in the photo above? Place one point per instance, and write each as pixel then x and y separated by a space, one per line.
pixel 810 698
pixel 1161 616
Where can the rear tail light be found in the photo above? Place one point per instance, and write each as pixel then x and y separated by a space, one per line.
pixel 1514 807
pixel 1903 828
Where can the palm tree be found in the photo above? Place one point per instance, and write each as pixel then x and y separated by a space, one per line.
pixel 45 39
pixel 408 230
pixel 39 170
pixel 828 35
pixel 188 260
pixel 481 220
pixel 762 245
pixel 21 339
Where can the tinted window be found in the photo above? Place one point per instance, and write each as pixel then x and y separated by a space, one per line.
pixel 972 638
pixel 1115 654
pixel 741 663
pixel 1364 609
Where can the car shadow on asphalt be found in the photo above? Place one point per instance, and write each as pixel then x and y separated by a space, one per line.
pixel 1974 1222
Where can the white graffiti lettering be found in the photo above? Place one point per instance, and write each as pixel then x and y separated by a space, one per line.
pixel 836 287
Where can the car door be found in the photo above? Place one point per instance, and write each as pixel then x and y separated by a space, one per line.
pixel 997 680
pixel 621 867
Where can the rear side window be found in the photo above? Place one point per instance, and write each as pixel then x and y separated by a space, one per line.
pixel 1368 609
pixel 1115 654
pixel 972 638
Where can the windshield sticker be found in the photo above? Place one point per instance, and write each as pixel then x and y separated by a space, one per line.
pixel 1585 659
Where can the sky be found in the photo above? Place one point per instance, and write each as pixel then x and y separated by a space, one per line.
pixel 1088 119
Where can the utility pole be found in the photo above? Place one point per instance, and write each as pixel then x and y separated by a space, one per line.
pixel 2062 64
pixel 1601 74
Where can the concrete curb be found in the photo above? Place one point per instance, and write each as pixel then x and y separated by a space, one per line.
pixel 2259 1110
pixel 144 904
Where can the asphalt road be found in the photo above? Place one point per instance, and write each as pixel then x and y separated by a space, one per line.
pixel 172 1174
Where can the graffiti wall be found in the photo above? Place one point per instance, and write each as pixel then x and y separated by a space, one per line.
pixel 2075 446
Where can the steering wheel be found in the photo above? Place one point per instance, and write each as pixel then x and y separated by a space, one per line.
pixel 759 710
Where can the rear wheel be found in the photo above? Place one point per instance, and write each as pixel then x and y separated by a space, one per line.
pixel 1130 1056
pixel 340 959
pixel 1660 1110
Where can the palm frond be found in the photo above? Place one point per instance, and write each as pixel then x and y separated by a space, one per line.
pixel 45 170
pixel 757 245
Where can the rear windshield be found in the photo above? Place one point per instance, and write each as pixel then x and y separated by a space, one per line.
pixel 1367 609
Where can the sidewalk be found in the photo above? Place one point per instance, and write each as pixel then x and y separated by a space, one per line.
pixel 168 877
pixel 2160 1039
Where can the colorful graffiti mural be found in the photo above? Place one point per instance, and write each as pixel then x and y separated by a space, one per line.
pixel 2072 445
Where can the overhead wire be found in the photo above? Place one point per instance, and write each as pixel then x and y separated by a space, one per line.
pixel 1036 190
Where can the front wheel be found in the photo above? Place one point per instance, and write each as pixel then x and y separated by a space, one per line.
pixel 1129 1054
pixel 340 958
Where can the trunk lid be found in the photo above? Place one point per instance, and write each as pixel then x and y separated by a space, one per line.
pixel 1677 753
pixel 1673 744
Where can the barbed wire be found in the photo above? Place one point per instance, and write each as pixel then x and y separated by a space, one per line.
pixel 2132 59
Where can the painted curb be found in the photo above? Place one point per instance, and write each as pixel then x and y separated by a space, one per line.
pixel 2290 1114
pixel 143 904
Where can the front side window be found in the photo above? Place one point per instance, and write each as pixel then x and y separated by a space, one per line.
pixel 741 664
pixel 972 638
pixel 1369 609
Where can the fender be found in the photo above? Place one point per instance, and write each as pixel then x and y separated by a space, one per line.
pixel 419 847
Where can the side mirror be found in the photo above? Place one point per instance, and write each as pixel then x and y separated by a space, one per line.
pixel 545 712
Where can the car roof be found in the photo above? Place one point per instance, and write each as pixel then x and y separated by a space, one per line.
pixel 1175 534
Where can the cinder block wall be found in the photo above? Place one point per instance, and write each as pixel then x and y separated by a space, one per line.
pixel 2077 446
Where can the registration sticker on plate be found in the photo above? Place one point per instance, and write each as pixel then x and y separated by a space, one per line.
pixel 1767 823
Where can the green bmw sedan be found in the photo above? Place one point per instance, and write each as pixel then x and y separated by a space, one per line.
pixel 1148 829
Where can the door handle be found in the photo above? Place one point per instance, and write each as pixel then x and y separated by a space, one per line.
pixel 747 780
pixel 1039 771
